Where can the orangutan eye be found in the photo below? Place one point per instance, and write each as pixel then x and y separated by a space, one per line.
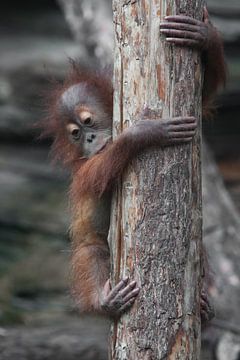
pixel 87 121
pixel 75 134
pixel 74 131
pixel 86 118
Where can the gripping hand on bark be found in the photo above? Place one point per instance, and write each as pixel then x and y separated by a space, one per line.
pixel 185 31
pixel 163 132
pixel 115 301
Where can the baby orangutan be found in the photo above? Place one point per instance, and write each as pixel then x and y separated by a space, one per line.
pixel 88 125
pixel 80 121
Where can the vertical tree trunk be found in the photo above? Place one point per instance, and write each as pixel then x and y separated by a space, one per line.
pixel 156 225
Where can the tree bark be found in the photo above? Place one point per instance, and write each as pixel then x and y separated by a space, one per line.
pixel 156 225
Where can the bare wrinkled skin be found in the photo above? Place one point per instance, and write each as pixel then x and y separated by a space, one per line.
pixel 116 301
pixel 185 31
pixel 164 132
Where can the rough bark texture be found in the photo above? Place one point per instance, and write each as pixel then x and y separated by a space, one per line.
pixel 156 221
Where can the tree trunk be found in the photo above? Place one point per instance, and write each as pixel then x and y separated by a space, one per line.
pixel 156 225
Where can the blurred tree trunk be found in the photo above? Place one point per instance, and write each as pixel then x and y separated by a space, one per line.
pixel 221 233
pixel 156 227
pixel 91 24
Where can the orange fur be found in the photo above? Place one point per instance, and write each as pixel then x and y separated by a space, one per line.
pixel 90 258
pixel 97 174
pixel 90 271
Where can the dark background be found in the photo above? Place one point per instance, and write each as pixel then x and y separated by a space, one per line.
pixel 37 319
